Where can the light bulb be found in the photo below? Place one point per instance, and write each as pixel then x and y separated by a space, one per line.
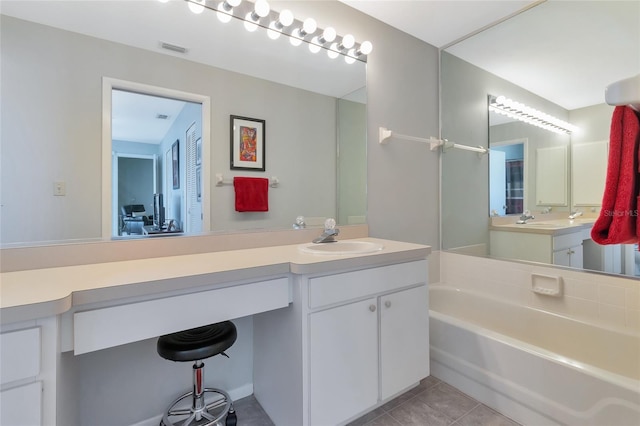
pixel 196 6
pixel 348 42
pixel 234 3
pixel 296 37
pixel 224 11
pixel 262 8
pixel 333 51
pixel 314 46
pixel 365 48
pixel 286 18
pixel 350 58
pixel 223 17
pixel 328 35
pixel 273 32
pixel 249 23
pixel 309 26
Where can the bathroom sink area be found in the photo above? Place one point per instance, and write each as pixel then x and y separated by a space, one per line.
pixel 546 225
pixel 341 248
pixel 553 226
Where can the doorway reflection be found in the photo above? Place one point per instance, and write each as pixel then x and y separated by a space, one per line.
pixel 154 146
pixel 507 191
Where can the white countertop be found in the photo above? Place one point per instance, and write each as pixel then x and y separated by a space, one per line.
pixel 40 293
pixel 548 227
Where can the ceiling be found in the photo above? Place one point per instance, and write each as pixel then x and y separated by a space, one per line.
pixel 564 51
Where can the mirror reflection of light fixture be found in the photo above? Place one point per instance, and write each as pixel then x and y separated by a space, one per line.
pixel 309 26
pixel 350 58
pixel 260 10
pixel 333 51
pixel 259 14
pixel 328 35
pixel 524 113
pixel 196 6
pixel 285 19
pixel 225 10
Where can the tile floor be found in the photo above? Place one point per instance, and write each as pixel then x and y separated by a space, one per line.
pixel 432 403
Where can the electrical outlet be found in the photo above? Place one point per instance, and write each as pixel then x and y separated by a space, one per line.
pixel 59 189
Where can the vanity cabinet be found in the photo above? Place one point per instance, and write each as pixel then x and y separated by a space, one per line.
pixel 333 336
pixel 567 250
pixel 28 373
pixel 555 248
pixel 363 339
pixel 343 355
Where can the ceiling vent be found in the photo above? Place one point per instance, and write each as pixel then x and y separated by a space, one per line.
pixel 173 47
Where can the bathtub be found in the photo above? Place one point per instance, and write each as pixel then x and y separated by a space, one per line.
pixel 536 367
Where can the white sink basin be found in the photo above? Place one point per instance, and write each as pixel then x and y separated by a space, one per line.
pixel 341 248
pixel 543 225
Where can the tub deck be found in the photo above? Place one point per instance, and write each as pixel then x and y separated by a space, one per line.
pixel 536 367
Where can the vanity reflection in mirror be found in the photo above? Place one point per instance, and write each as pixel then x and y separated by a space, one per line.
pixel 555 176
pixel 61 62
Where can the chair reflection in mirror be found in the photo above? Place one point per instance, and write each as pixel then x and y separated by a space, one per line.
pixel 133 219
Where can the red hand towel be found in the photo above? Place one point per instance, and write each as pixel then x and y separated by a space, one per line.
pixel 617 222
pixel 251 194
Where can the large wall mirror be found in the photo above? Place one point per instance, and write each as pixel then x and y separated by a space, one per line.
pixel 56 57
pixel 554 176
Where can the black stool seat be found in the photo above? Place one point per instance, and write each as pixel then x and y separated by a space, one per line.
pixel 198 343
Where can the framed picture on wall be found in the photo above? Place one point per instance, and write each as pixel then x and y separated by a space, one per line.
pixel 175 163
pixel 247 143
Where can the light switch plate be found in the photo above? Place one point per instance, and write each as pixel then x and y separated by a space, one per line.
pixel 59 188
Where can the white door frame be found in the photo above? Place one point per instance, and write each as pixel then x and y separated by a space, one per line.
pixel 108 85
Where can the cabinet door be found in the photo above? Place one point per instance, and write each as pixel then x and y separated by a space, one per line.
pixel 343 352
pixel 404 339
pixel 577 257
pixel 22 405
pixel 562 257
pixel 572 256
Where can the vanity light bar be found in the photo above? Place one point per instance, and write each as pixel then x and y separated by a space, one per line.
pixel 518 111
pixel 260 14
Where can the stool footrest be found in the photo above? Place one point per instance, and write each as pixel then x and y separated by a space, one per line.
pixel 182 413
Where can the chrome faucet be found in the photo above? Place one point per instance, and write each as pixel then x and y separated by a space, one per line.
pixel 575 214
pixel 526 215
pixel 299 223
pixel 329 234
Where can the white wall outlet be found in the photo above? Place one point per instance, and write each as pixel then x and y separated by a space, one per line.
pixel 59 189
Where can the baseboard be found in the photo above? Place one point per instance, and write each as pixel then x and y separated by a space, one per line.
pixel 235 394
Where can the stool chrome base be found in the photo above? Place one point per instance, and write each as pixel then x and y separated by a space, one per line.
pixel 182 413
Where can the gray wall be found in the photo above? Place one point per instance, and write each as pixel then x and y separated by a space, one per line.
pixel 594 123
pixel 352 171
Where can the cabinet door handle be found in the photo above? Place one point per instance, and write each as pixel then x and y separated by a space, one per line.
pixel 372 308
pixel 387 303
